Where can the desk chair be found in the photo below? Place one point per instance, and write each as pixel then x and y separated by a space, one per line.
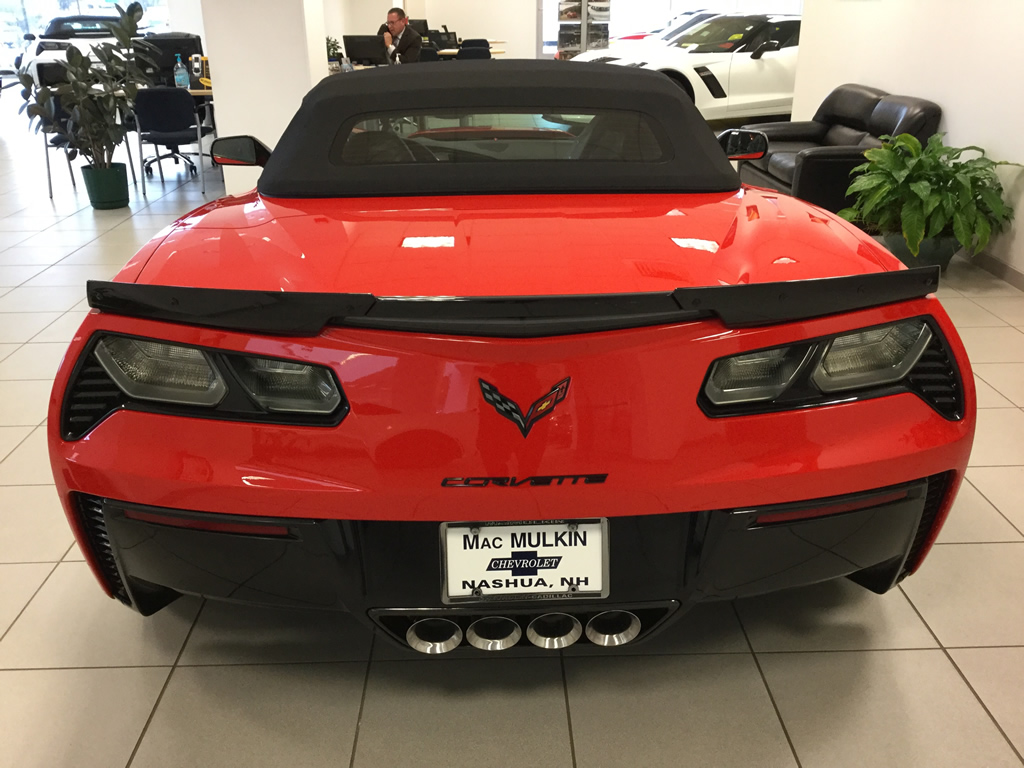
pixel 168 117
pixel 429 53
pixel 473 52
pixel 476 42
pixel 50 74
pixel 56 141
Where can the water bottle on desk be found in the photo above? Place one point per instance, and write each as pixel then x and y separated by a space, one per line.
pixel 180 73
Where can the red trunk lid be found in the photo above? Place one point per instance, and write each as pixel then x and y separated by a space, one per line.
pixel 509 245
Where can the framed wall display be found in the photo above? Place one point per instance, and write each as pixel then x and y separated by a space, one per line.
pixel 582 26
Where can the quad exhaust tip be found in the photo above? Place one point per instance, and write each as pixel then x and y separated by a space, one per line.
pixel 554 631
pixel 434 636
pixel 612 628
pixel 493 633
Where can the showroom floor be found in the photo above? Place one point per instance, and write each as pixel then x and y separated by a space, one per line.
pixel 930 674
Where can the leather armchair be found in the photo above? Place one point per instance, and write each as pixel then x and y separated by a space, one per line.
pixel 812 159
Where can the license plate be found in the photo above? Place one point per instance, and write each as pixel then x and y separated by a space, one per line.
pixel 524 560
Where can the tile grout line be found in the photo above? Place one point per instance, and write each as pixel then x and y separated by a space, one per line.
pixel 362 700
pixel 963 677
pixel 568 710
pixel 994 387
pixel 996 508
pixel 767 688
pixel 15 448
pixel 163 689
pixel 983 705
pixel 966 543
pixel 29 601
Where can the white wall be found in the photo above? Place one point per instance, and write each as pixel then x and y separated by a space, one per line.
pixel 935 49
pixel 514 21
pixel 259 94
pixel 334 19
pixel 364 17
pixel 186 16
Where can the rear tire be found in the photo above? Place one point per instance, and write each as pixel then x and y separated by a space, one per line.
pixel 681 81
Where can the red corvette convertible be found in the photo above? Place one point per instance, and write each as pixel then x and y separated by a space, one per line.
pixel 519 361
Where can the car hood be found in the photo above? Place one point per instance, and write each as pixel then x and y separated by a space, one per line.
pixel 506 245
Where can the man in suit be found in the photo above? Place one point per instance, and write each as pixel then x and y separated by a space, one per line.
pixel 404 43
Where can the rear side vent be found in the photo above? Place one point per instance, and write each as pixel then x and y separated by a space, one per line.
pixel 90 510
pixel 936 380
pixel 937 487
pixel 90 397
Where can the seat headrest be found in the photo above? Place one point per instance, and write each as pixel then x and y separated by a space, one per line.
pixel 849 105
pixel 373 147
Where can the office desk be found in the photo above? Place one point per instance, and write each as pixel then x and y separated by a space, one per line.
pixel 451 53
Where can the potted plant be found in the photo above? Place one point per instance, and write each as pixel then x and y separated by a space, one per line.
pixel 333 55
pixel 926 201
pixel 89 109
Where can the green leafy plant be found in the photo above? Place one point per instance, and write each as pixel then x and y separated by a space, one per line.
pixel 98 95
pixel 929 192
pixel 333 48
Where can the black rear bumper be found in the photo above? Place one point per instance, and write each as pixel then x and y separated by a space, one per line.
pixel 386 573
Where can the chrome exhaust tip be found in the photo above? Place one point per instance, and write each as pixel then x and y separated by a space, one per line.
pixel 433 636
pixel 554 631
pixel 493 633
pixel 612 628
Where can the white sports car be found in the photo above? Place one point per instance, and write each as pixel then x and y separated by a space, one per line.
pixel 736 65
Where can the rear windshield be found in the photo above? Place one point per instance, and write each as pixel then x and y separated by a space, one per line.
pixel 507 136
pixel 80 27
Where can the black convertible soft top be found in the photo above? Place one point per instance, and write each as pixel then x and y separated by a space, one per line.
pixel 301 164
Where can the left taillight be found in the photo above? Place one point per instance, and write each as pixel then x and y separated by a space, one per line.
pixel 282 386
pixel 165 373
pixel 51 45
pixel 117 371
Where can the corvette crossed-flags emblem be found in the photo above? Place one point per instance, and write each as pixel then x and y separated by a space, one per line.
pixel 510 409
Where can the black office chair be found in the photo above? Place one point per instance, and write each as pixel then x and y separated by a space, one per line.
pixel 429 53
pixel 169 117
pixel 54 74
pixel 476 42
pixel 473 53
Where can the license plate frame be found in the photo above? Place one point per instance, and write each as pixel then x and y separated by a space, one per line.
pixel 577 565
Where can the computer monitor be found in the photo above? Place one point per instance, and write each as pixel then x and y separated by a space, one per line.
pixel 442 40
pixel 167 45
pixel 420 25
pixel 368 50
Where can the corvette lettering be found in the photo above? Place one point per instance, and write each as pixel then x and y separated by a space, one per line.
pixel 510 409
pixel 515 482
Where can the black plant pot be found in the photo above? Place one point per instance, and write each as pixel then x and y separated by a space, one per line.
pixel 934 251
pixel 107 187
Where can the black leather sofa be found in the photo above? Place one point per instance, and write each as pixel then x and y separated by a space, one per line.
pixel 812 160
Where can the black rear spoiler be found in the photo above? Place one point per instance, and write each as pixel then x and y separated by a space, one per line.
pixel 307 314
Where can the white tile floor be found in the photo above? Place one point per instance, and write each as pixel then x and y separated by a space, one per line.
pixel 930 674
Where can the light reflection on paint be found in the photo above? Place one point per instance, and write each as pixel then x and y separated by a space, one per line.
pixel 697 245
pixel 429 242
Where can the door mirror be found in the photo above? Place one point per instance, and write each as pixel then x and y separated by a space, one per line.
pixel 741 144
pixel 763 48
pixel 239 150
pixel 30 37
